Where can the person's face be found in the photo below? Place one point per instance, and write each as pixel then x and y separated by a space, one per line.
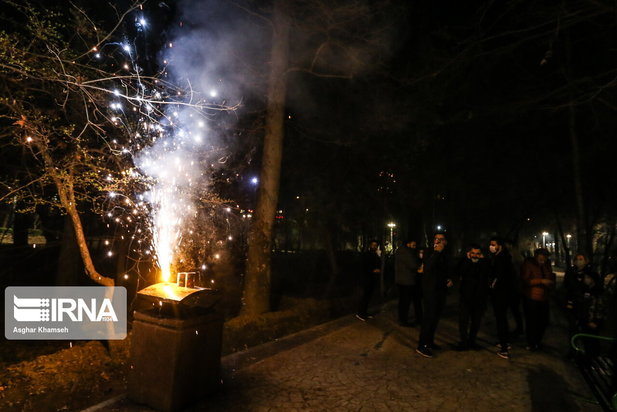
pixel 580 261
pixel 412 245
pixel 475 255
pixel 494 247
pixel 373 246
pixel 440 239
pixel 541 259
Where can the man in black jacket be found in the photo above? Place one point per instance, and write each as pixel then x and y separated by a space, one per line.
pixel 435 283
pixel 503 286
pixel 474 274
pixel 371 268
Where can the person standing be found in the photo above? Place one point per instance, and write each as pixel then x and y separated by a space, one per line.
pixel 473 272
pixel 538 279
pixel 502 287
pixel 573 282
pixel 371 268
pixel 592 311
pixel 609 297
pixel 435 284
pixel 405 275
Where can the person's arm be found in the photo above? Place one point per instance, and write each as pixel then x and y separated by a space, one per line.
pixel 549 280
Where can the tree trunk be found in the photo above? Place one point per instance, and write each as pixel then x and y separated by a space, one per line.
pixel 69 265
pixel 64 185
pixel 564 241
pixel 258 271
pixel 583 237
pixel 583 231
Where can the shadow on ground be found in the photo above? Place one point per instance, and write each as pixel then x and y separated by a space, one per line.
pixel 543 381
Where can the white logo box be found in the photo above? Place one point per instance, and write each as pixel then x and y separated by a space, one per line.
pixel 65 313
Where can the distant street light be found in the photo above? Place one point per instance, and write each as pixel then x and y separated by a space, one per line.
pixel 391 225
pixel 544 235
pixel 568 237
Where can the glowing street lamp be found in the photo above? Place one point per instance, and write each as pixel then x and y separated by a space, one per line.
pixel 544 235
pixel 568 237
pixel 391 225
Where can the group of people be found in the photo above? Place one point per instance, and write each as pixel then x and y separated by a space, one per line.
pixel 424 276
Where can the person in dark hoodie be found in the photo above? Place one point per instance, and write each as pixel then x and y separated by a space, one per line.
pixel 435 283
pixel 474 272
pixel 503 285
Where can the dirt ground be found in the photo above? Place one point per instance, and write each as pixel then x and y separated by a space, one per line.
pixel 68 379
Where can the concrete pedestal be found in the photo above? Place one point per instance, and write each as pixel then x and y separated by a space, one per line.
pixel 174 362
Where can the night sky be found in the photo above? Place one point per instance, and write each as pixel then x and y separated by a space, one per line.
pixel 426 113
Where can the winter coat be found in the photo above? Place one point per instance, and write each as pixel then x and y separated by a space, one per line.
pixel 474 281
pixel 437 268
pixel 609 298
pixel 532 275
pixel 502 273
pixel 573 284
pixel 406 264
pixel 370 261
pixel 591 307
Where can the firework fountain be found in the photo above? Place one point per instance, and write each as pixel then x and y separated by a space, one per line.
pixel 168 143
pixel 176 341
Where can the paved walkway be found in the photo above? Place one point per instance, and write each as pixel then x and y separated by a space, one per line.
pixel 352 365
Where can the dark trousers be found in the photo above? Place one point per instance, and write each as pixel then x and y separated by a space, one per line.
pixel 406 295
pixel 536 320
pixel 433 308
pixel 368 283
pixel 469 319
pixel 500 307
